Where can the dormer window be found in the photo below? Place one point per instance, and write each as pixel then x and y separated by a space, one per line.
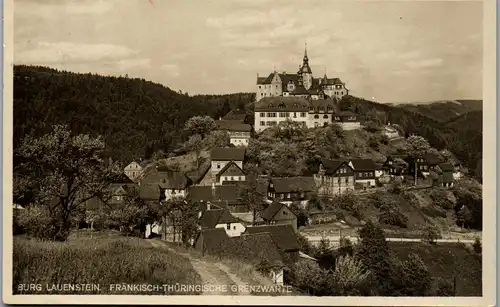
pixel 281 106
pixel 322 109
pixel 271 105
pixel 329 108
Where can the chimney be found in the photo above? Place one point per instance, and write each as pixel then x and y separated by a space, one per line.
pixel 208 205
pixel 199 214
pixel 220 118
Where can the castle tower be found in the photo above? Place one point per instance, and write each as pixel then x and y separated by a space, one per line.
pixel 305 70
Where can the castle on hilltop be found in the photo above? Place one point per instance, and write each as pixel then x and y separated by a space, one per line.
pixel 302 84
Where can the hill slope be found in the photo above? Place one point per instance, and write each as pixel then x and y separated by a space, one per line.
pixel 445 110
pixel 136 117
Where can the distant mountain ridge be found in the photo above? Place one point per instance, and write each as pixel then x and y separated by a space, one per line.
pixel 443 111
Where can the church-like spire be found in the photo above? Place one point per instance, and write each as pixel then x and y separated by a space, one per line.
pixel 306 59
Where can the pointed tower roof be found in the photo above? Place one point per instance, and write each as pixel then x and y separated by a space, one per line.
pixel 306 59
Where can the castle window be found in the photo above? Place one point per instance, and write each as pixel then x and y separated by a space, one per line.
pixel 262 123
pixel 322 109
pixel 262 114
pixel 325 116
pixel 316 116
pixel 329 108
pixel 271 105
pixel 281 106
pixel 259 86
pixel 302 114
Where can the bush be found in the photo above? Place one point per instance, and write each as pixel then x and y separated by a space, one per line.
pixel 431 234
pixel 393 217
pixel 441 199
pixel 349 276
pixel 477 246
pixel 309 277
pixel 443 287
pixel 37 222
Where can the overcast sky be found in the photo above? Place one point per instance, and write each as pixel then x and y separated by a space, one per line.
pixel 394 51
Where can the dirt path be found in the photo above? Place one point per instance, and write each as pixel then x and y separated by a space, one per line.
pixel 213 274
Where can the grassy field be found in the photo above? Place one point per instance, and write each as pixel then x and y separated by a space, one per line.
pixel 100 259
pixel 447 260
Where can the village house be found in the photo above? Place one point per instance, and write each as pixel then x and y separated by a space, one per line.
pixel 220 157
pixel 334 177
pixel 364 172
pixel 239 133
pixel 425 164
pixel 133 170
pixel 259 250
pixel 284 236
pixel 302 84
pixel 390 132
pixel 171 184
pixel 395 165
pixel 347 120
pixel 235 115
pixel 229 195
pixel 278 213
pixel 445 172
pixel 230 173
pixel 291 189
pixel 221 218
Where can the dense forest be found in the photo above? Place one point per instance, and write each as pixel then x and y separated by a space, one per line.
pixel 138 118
pixel 445 110
pixel 135 116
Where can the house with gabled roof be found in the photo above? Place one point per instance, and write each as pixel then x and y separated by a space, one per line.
pixel 231 172
pixel 171 184
pixel 334 177
pixel 133 170
pixel 364 172
pixel 278 213
pixel 290 189
pixel 227 195
pixel 239 132
pixel 347 120
pixel 445 172
pixel 425 164
pixel 236 115
pixel 283 235
pixel 220 157
pixel 395 165
pixel 257 249
pixel 221 218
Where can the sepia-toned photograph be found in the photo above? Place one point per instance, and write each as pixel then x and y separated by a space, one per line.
pixel 299 152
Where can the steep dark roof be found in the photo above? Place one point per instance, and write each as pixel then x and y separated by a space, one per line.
pixel 363 165
pixel 325 103
pixel 233 125
pixel 287 78
pixel 282 104
pixel 271 210
pixel 331 81
pixel 447 177
pixel 122 178
pixel 210 218
pixel 227 154
pixel 211 240
pixel 331 166
pixel 432 159
pixel 261 80
pixel 300 90
pixel 237 171
pixel 149 192
pixel 283 235
pixel 227 193
pixel 253 248
pixel 236 115
pixel 167 180
pixel 293 184
pixel 446 167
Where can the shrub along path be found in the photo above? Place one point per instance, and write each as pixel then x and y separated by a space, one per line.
pixel 213 274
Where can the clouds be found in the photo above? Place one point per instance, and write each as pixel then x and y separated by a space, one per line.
pixel 392 50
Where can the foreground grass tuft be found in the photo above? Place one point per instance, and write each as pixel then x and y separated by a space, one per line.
pixel 101 261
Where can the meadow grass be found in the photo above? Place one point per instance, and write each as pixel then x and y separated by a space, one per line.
pixel 100 259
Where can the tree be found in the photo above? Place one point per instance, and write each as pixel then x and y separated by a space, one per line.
pixel 201 125
pixel 416 279
pixel 431 234
pixel 477 246
pixel 181 217
pixel 373 251
pixel 349 276
pixel 308 276
pixel 67 171
pixel 464 216
pixel 416 146
pixel 195 145
pixel 251 196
